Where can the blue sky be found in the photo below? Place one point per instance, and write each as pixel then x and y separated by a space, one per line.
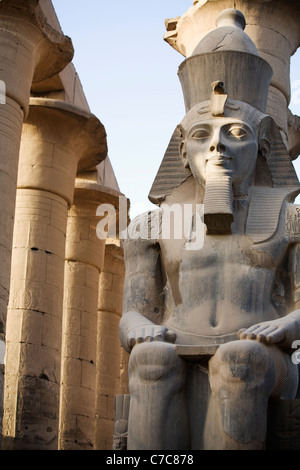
pixel 129 76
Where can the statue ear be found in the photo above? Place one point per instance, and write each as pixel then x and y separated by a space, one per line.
pixel 265 147
pixel 184 154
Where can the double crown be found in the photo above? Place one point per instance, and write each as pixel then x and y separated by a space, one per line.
pixel 226 55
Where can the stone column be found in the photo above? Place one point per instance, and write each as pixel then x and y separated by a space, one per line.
pixel 84 262
pixel 109 378
pixel 29 51
pixel 57 140
pixel 273 26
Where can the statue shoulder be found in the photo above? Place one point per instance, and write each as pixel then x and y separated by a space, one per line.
pixel 144 227
pixel 141 248
pixel 270 211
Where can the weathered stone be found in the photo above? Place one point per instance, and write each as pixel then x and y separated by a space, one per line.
pixel 274 31
pixel 109 378
pixel 57 139
pixel 84 262
pixel 61 139
pixel 210 316
pixel 29 50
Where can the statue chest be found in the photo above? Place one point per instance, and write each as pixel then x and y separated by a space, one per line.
pixel 227 270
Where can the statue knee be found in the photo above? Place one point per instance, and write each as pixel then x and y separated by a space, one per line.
pixel 242 362
pixel 155 361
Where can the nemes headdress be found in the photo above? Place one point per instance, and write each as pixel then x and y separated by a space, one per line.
pixel 223 76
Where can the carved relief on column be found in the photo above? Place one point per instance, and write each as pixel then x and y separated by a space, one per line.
pixel 84 262
pixel 30 50
pixel 57 139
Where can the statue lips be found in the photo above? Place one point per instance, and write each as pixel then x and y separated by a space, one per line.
pixel 219 160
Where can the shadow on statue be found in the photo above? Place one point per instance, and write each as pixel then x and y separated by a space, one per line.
pixel 210 318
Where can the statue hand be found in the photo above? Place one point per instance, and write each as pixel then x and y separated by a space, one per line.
pixel 148 333
pixel 134 328
pixel 271 332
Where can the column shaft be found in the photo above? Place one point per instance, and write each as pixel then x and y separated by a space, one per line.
pixel 56 138
pixel 11 118
pixel 29 50
pixel 26 50
pixel 34 322
pixel 108 348
pixel 84 260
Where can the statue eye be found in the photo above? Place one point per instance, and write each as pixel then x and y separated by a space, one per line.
pixel 200 134
pixel 237 132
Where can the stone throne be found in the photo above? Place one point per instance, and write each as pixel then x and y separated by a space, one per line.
pixel 184 329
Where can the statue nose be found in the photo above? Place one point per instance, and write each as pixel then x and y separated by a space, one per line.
pixel 217 143
pixel 219 147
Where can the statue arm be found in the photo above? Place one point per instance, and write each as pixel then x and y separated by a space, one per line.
pixel 143 306
pixel 286 330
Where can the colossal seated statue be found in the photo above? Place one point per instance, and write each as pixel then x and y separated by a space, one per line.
pixel 210 317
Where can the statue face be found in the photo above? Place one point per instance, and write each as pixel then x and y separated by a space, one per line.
pixel 222 146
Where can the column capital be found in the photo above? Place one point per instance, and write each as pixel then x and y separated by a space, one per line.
pixel 272 25
pixel 30 49
pixel 93 193
pixel 59 140
pixel 83 219
pixel 185 32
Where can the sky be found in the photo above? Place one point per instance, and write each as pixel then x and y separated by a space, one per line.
pixel 129 76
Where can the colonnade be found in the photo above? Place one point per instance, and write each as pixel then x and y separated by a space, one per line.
pixel 53 264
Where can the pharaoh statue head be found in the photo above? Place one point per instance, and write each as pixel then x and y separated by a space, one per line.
pixel 225 141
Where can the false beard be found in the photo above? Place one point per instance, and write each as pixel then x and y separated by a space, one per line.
pixel 218 205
